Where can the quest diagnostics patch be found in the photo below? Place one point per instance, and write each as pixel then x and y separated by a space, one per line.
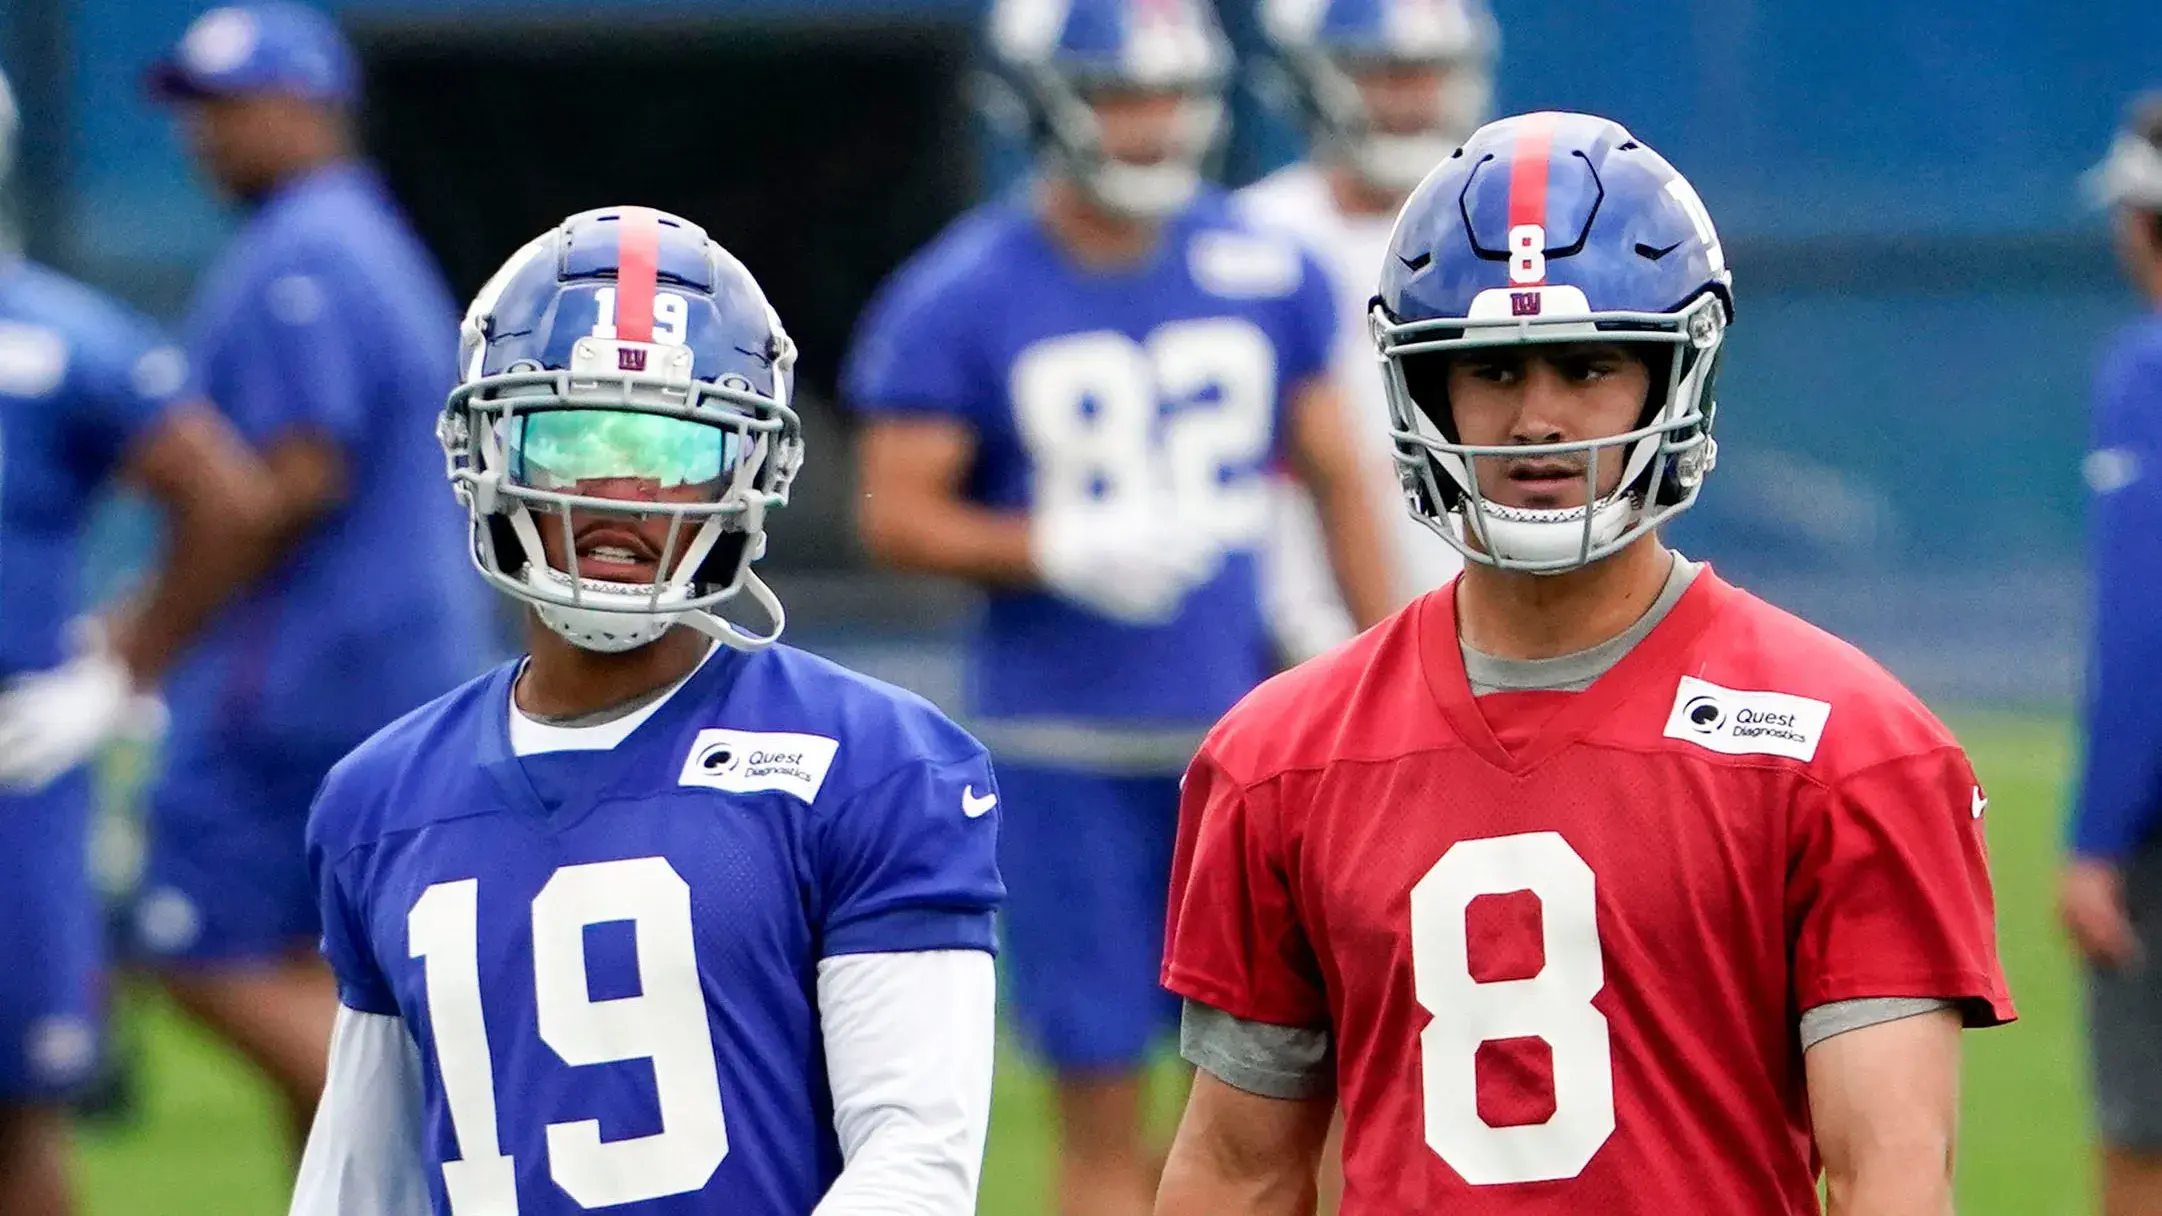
pixel 1740 723
pixel 747 761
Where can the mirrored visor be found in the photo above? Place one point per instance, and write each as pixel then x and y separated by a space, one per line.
pixel 624 454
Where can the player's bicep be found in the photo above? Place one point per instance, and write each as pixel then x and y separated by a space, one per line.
pixel 1884 1100
pixel 365 1155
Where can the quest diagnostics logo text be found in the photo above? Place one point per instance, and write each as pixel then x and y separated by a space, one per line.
pixel 746 761
pixel 1738 722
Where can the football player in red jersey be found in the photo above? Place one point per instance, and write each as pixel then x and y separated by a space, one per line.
pixel 1588 882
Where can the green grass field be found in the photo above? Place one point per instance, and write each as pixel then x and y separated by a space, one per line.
pixel 205 1143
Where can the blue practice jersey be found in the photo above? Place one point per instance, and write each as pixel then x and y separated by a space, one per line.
pixel 2121 793
pixel 1166 383
pixel 326 316
pixel 80 379
pixel 609 958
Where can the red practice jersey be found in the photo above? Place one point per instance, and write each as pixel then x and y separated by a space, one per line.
pixel 1562 939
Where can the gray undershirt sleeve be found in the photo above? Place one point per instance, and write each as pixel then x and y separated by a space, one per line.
pixel 1839 1017
pixel 1259 1057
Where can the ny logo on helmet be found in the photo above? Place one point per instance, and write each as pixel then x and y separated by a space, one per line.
pixel 1524 303
pixel 630 360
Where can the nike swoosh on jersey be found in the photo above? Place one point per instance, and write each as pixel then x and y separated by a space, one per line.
pixel 1981 802
pixel 975 805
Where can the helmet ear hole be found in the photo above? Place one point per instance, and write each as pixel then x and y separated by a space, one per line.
pixel 509 554
pixel 1426 379
pixel 724 560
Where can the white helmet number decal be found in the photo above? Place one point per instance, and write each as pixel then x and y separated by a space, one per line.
pixel 671 316
pixel 1527 253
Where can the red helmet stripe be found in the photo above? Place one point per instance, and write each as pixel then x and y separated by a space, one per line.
pixel 638 252
pixel 1528 170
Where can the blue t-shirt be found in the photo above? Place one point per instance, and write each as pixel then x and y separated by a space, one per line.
pixel 80 379
pixel 2120 798
pixel 632 936
pixel 1164 385
pixel 327 315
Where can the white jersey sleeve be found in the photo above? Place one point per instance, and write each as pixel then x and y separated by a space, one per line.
pixel 364 1155
pixel 908 1053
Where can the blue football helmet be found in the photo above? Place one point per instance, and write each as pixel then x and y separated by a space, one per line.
pixel 624 392
pixel 1327 45
pixel 1548 228
pixel 1058 54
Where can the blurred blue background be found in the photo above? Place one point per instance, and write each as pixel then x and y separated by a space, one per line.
pixel 1922 292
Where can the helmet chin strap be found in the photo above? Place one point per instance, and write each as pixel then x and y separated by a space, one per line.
pixel 731 635
pixel 1547 538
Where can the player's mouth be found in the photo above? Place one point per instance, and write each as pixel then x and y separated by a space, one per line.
pixel 1545 485
pixel 616 554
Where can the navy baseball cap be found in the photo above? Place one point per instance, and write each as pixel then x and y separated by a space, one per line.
pixel 241 50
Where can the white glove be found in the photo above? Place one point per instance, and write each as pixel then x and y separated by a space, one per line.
pixel 51 721
pixel 1130 566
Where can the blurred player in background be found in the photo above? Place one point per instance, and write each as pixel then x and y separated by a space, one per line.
pixel 1535 878
pixel 677 917
pixel 1389 90
pixel 2111 890
pixel 88 391
pixel 324 333
pixel 1071 397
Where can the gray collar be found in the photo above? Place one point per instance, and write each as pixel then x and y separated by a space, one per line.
pixel 1575 672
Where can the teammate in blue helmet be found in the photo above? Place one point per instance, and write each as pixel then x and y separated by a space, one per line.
pixel 1688 799
pixel 677 916
pixel 1073 397
pixel 1388 89
pixel 1529 282
pixel 89 393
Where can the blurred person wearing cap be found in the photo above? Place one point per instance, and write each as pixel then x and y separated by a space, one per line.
pixel 1072 395
pixel 2110 893
pixel 324 331
pixel 89 392
pixel 1388 89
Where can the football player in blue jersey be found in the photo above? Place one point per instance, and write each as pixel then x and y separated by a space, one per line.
pixel 326 333
pixel 676 917
pixel 1072 397
pixel 88 391
pixel 2110 893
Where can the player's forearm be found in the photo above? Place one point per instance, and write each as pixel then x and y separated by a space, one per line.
pixel 1194 1186
pixel 1356 555
pixel 1900 1187
pixel 220 520
pixel 1329 464
pixel 952 538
